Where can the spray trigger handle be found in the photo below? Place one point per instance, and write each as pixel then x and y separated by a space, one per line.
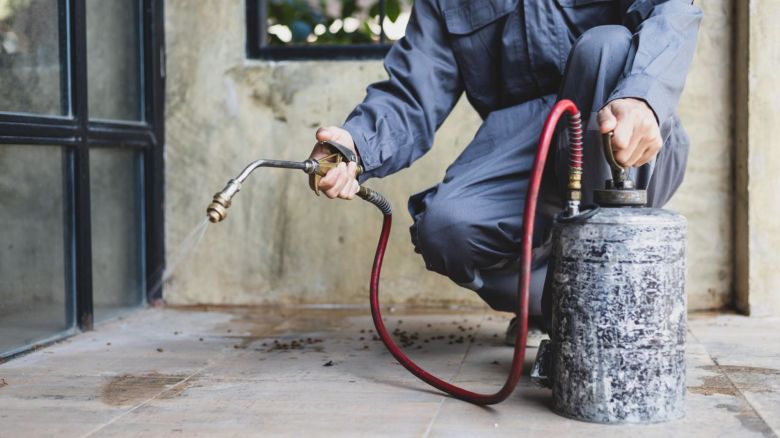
pixel 340 154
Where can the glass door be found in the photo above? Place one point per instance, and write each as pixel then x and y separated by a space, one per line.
pixel 81 94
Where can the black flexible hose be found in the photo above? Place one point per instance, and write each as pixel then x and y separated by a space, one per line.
pixel 377 199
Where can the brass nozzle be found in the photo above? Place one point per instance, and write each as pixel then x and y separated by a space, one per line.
pixel 217 210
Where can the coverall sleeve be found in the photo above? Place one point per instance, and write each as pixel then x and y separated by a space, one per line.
pixel 663 44
pixel 396 122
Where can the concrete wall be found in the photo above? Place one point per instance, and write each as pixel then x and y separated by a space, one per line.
pixel 280 244
pixel 706 195
pixel 757 179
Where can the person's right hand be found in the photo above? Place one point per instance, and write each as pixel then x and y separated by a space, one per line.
pixel 341 181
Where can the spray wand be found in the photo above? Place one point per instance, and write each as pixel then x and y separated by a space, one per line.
pixel 316 169
pixel 217 210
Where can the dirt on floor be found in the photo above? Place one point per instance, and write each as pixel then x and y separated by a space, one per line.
pixel 131 389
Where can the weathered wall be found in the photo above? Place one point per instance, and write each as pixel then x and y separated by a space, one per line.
pixel 279 244
pixel 706 196
pixel 758 115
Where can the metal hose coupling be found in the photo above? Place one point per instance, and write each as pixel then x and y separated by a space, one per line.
pixel 574 188
pixel 217 210
pixel 377 199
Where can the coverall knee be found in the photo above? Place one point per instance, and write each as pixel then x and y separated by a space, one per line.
pixel 468 227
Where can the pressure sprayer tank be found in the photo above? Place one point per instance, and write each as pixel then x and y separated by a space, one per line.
pixel 619 310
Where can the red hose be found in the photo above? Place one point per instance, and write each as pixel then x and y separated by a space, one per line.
pixel 564 106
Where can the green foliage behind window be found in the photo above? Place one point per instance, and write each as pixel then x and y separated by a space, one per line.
pixel 331 21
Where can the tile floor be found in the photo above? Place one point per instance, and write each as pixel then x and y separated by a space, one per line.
pixel 319 372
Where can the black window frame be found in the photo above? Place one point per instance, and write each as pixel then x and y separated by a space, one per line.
pixel 257 46
pixel 77 135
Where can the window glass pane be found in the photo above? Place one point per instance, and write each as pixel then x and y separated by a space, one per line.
pixel 113 60
pixel 35 299
pixel 30 70
pixel 117 236
pixel 304 22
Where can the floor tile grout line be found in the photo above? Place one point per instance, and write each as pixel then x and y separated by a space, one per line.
pixel 468 348
pixel 723 372
pixel 455 376
pixel 435 416
pixel 143 403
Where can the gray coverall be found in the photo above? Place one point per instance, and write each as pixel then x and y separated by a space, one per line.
pixel 515 59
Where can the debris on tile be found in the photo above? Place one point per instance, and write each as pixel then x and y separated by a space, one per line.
pixel 200 339
pixel 159 350
pixel 328 363
pixel 3 383
pixel 299 344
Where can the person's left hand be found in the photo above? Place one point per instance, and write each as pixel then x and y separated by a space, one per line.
pixel 637 137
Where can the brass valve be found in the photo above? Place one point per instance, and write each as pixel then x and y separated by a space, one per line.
pixel 324 165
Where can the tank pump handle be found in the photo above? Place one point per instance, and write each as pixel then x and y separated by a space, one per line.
pixel 620 179
pixel 620 190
